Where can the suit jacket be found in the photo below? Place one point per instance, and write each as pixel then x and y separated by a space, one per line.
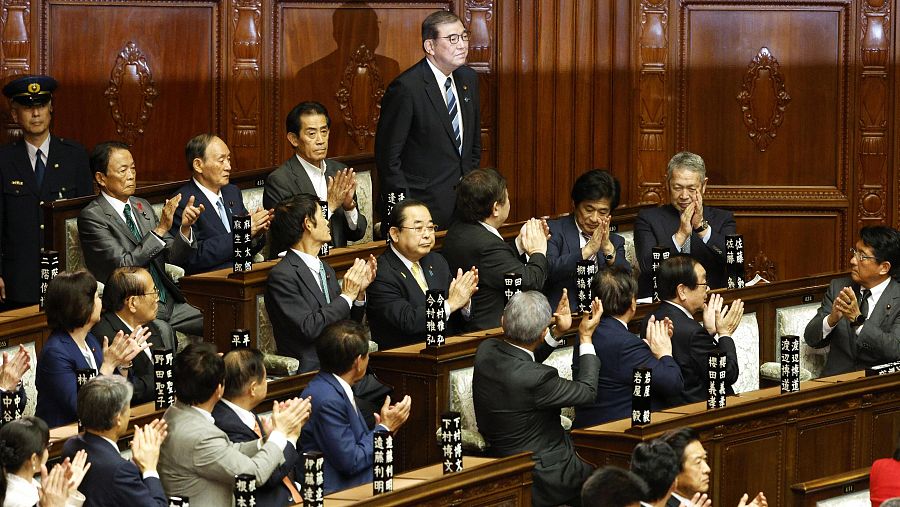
pixel 673 502
pixel 143 378
pixel 112 480
pixel 517 403
pixel 67 175
pixel 878 341
pixel 467 245
pixel 563 255
pixel 291 179
pixel 55 377
pixel 273 493
pixel 198 461
pixel 655 227
pixel 107 242
pixel 620 351
pixel 691 346
pixel 338 431
pixel 298 311
pixel 395 302
pixel 214 244
pixel 415 147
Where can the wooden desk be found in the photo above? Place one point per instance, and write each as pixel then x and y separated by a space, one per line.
pixel 765 441
pixel 483 481
pixel 23 325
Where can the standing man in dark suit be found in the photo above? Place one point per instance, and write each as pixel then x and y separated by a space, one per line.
pixel 129 302
pixel 517 398
pixel 482 207
pixel 406 270
pixel 309 172
pixel 685 225
pixel 209 160
pixel 860 315
pixel 117 229
pixel 337 428
pixel 429 131
pixel 245 388
pixel 683 289
pixel 620 351
pixel 302 293
pixel 36 169
pixel 111 481
pixel 584 234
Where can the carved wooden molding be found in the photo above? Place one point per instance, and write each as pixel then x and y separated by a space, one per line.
pixel 245 74
pixel 131 92
pixel 763 266
pixel 361 78
pixel 653 48
pixel 763 98
pixel 478 17
pixel 15 39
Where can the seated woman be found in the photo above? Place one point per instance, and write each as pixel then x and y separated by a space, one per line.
pixel 23 453
pixel 884 479
pixel 72 307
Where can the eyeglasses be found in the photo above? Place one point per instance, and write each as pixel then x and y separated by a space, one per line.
pixel 860 256
pixel 703 284
pixel 154 292
pixel 453 38
pixel 420 229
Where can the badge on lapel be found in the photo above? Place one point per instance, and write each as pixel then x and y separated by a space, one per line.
pixel 466 98
pixel 17 183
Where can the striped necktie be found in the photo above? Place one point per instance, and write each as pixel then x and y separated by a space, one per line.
pixel 454 113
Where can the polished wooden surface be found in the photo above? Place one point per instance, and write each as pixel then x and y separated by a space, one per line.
pixel 766 441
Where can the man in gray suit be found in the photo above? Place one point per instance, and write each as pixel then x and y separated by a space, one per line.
pixel 197 460
pixel 118 229
pixel 308 126
pixel 860 315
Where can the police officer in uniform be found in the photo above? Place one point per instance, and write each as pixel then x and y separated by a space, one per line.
pixel 37 168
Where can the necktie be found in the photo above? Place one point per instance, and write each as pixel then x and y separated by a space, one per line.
pixel 129 221
pixel 220 207
pixel 288 483
pixel 420 278
pixel 454 112
pixel 686 247
pixel 864 302
pixel 39 168
pixel 587 238
pixel 323 282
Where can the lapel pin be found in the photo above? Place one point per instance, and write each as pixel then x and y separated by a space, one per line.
pixel 56 166
pixel 403 275
pixel 888 307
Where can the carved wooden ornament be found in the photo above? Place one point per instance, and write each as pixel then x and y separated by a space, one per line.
pixel 131 92
pixel 359 96
pixel 763 98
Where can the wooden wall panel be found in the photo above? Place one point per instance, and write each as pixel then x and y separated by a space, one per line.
pixel 125 75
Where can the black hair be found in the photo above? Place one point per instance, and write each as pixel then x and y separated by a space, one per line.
pixel 616 288
pixel 21 438
pixel 398 213
pixel 70 300
pixel 596 184
pixel 242 366
pixel 679 440
pixel 476 194
pixel 287 222
pixel 101 153
pixel 198 371
pixel 436 18
pixel 122 284
pixel 657 464
pixel 292 122
pixel 677 269
pixel 196 148
pixel 885 244
pixel 612 486
pixel 340 344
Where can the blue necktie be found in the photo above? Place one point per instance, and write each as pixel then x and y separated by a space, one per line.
pixel 454 113
pixel 220 207
pixel 324 282
pixel 39 168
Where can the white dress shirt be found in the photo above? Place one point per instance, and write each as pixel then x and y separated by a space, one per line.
pixel 314 263
pixel 320 184
pixel 441 78
pixel 874 295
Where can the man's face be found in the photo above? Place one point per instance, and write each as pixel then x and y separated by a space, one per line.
pixel 694 477
pixel 214 169
pixel 696 297
pixel 415 236
pixel 124 417
pixel 312 141
pixel 320 231
pixel 865 268
pixel 119 180
pixel 34 120
pixel 683 186
pixel 589 213
pixel 446 56
pixel 147 303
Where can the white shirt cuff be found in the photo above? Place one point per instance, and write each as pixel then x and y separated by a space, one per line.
pixel 278 438
pixel 151 473
pixel 586 348
pixel 679 247
pixel 352 217
pixel 548 338
pixel 825 327
pixel 708 234
pixel 347 299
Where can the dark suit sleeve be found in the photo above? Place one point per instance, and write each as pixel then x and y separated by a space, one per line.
pixel 291 304
pixel 332 429
pixel 131 489
pixel 561 264
pixel 553 391
pixel 58 376
pixel 715 247
pixel 276 189
pixel 498 258
pixel 644 241
pixel 879 342
pixel 812 335
pixel 212 250
pixel 666 376
pixel 339 220
pixel 702 345
pixel 98 241
pixel 385 297
pixel 476 125
pixel 393 128
pixel 621 260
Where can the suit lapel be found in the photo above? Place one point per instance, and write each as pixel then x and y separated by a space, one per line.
pixel 465 106
pixel 306 276
pixel 887 303
pixel 200 198
pixel 333 382
pixel 571 236
pixel 436 96
pixel 301 179
pixel 75 352
pixel 413 291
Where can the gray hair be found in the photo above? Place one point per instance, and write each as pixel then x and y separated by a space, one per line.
pixel 526 317
pixel 891 502
pixel 101 400
pixel 686 160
